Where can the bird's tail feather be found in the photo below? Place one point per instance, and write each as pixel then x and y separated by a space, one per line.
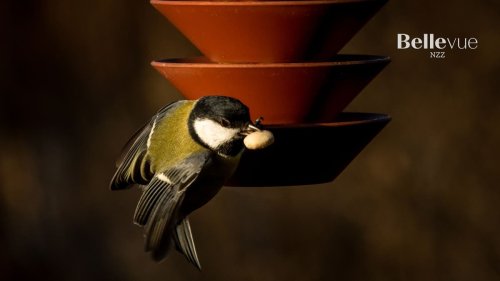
pixel 184 242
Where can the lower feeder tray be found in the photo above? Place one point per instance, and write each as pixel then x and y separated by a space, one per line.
pixel 306 92
pixel 305 154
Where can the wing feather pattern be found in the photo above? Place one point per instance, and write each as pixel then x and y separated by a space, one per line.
pixel 133 166
pixel 158 207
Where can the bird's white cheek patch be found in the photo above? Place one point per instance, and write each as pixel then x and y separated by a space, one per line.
pixel 212 133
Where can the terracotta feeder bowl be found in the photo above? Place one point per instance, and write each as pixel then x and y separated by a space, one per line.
pixel 308 153
pixel 269 31
pixel 283 93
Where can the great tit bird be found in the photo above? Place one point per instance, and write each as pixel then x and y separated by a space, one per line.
pixel 182 157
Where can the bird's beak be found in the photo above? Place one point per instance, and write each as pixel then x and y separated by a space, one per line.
pixel 250 128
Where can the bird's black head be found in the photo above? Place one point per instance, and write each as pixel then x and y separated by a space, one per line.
pixel 218 123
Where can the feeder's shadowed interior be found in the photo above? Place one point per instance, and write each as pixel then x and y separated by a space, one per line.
pixel 420 202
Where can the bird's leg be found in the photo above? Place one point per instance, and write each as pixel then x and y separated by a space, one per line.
pixel 258 122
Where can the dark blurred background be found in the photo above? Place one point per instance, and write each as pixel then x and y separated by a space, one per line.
pixel 419 203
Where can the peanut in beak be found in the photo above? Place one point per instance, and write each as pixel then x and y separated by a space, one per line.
pixel 258 140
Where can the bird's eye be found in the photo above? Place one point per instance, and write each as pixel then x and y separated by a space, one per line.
pixel 224 122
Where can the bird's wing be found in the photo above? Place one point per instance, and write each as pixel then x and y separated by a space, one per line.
pixel 158 206
pixel 133 165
